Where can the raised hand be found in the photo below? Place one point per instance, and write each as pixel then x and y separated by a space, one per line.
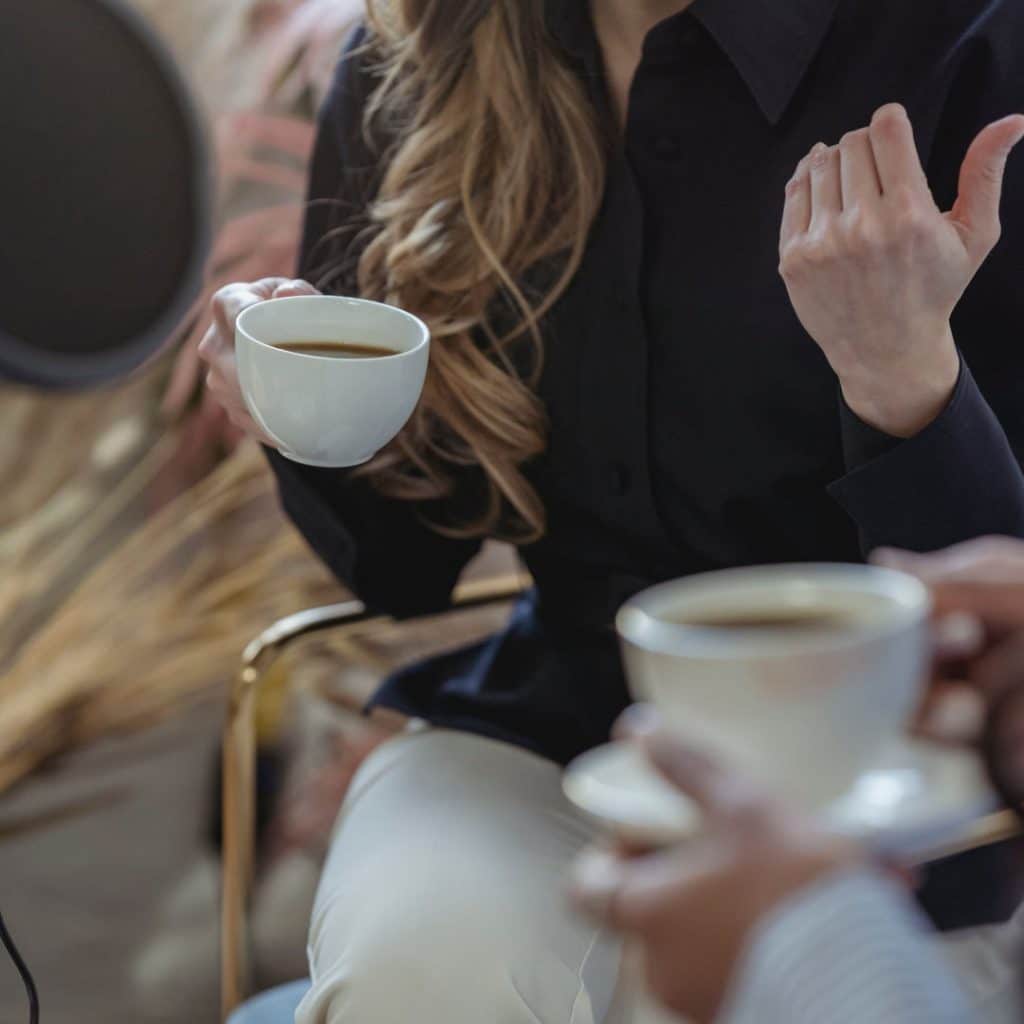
pixel 874 268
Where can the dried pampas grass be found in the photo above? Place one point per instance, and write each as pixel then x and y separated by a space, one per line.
pixel 161 621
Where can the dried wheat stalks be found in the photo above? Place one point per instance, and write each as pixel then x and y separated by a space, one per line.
pixel 162 621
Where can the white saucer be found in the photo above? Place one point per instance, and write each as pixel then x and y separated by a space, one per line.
pixel 914 799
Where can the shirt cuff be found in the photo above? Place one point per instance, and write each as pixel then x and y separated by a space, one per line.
pixel 850 949
pixel 957 479
pixel 861 442
pixel 304 493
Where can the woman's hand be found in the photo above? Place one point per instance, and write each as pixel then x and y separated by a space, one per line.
pixel 874 269
pixel 693 908
pixel 217 349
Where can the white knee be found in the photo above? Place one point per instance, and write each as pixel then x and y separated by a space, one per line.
pixel 457 962
pixel 443 899
pixel 406 962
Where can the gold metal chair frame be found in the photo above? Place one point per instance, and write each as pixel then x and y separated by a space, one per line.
pixel 239 783
pixel 239 752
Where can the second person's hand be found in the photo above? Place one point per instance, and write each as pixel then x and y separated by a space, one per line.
pixel 693 908
pixel 217 349
pixel 978 693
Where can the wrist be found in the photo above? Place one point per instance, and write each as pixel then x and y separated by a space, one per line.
pixel 804 856
pixel 903 400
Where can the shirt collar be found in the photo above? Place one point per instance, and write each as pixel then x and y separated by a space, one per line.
pixel 770 42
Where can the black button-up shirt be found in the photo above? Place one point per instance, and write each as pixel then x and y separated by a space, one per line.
pixel 694 424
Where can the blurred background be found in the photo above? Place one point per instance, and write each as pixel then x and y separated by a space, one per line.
pixel 140 549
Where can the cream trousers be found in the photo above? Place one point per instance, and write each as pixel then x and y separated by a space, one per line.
pixel 443 896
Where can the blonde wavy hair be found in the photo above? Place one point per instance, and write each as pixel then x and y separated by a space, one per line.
pixel 496 167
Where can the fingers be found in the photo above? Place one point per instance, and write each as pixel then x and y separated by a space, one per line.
pixel 291 289
pixel 250 428
pixel 864 166
pixel 1003 747
pixel 216 349
pixel 238 414
pixel 895 151
pixel 827 181
pixel 796 214
pixel 210 344
pixel 983 578
pixel 222 384
pixel 979 586
pixel 1001 669
pixel 233 298
pixel 953 713
pixel 957 637
pixel 858 173
pixel 595 887
pixel 630 896
pixel 826 186
pixel 970 558
pixel 999 606
pixel 719 792
pixel 981 185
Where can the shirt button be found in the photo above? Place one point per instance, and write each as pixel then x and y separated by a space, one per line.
pixel 619 479
pixel 667 147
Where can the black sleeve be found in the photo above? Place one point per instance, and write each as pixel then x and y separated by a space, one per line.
pixel 961 477
pixel 381 548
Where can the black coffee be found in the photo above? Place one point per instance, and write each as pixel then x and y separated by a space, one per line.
pixel 784 619
pixel 337 349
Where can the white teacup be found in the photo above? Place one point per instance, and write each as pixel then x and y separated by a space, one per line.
pixel 322 410
pixel 803 705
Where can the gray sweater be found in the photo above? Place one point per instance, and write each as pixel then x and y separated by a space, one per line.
pixel 853 950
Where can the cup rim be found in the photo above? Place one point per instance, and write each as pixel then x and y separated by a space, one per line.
pixel 421 327
pixel 637 624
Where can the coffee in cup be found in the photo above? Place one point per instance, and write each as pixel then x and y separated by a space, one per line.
pixel 797 675
pixel 331 380
pixel 337 349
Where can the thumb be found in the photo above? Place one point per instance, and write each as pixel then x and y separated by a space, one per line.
pixel 291 289
pixel 976 212
pixel 718 791
pixel 896 558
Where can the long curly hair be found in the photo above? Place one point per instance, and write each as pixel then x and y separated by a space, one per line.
pixel 496 167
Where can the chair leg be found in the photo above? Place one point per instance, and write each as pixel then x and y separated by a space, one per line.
pixel 239 751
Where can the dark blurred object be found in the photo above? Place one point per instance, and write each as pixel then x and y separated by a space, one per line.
pixel 979 887
pixel 1003 746
pixel 104 193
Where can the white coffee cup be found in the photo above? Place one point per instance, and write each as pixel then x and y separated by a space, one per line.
pixel 322 410
pixel 802 709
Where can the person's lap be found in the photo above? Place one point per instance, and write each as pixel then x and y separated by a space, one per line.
pixel 443 894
